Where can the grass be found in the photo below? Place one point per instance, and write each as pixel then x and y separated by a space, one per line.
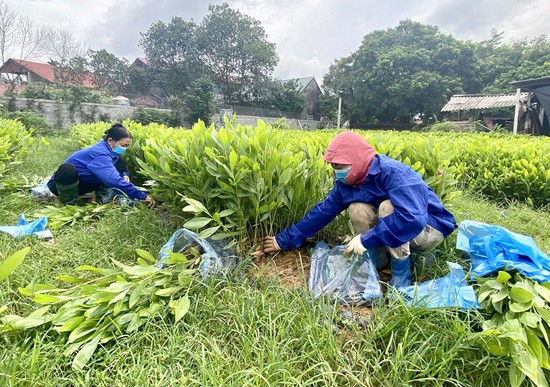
pixel 242 331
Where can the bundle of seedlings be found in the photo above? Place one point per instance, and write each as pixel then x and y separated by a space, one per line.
pixel 104 304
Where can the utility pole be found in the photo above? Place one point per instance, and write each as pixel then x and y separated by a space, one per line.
pixel 516 113
pixel 339 112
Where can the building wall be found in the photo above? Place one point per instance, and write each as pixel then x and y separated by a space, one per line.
pixel 312 94
pixel 61 115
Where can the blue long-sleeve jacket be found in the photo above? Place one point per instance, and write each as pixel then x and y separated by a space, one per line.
pixel 414 202
pixel 96 165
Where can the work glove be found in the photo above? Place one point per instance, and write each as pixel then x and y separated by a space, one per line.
pixel 355 246
pixel 270 245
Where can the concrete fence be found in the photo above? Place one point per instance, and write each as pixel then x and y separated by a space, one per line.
pixel 63 114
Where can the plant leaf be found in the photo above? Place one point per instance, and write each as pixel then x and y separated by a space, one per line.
pixel 180 307
pixel 196 223
pixel 146 255
pixel 13 262
pixel 85 354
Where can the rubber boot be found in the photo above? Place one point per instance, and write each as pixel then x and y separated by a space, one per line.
pixel 68 193
pixel 401 272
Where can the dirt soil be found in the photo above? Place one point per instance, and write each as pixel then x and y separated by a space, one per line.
pixel 291 270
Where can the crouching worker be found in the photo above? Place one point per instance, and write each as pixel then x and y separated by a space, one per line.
pixel 96 167
pixel 390 207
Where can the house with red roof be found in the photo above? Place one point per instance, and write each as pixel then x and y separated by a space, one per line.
pixel 20 73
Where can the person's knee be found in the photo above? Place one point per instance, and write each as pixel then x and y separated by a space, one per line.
pixel 66 174
pixel 385 208
pixel 362 216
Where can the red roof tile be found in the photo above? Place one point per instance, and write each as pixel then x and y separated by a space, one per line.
pixel 43 70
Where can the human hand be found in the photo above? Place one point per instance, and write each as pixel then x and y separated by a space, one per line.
pixel 150 201
pixel 270 245
pixel 126 178
pixel 355 246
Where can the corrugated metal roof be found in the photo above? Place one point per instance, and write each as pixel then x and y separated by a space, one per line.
pixel 302 82
pixel 481 101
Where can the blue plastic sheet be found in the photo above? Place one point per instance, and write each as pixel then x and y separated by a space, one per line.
pixel 492 248
pixel 216 257
pixel 348 279
pixel 23 228
pixel 449 291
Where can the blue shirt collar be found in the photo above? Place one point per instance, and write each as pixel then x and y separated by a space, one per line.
pixel 374 168
pixel 106 145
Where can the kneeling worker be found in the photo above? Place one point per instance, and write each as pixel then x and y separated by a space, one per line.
pixel 389 205
pixel 98 166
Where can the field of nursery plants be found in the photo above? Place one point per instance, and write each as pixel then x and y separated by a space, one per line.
pixel 92 306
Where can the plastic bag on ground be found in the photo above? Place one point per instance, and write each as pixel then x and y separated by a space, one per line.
pixel 42 192
pixel 449 291
pixel 492 248
pixel 23 228
pixel 348 279
pixel 216 257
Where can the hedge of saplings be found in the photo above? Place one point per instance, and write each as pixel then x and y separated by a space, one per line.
pixel 15 141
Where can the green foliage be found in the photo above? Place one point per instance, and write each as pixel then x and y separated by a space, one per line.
pixel 172 51
pixel 226 44
pixel 504 167
pixel 252 172
pixel 109 72
pixel 70 215
pixel 146 116
pixel 519 326
pixel 237 321
pixel 11 263
pixel 68 93
pixel 232 45
pixel 445 126
pixel 15 141
pixel 399 72
pixel 29 119
pixel 502 63
pixel 285 97
pixel 199 99
pixel 118 302
pixel 281 123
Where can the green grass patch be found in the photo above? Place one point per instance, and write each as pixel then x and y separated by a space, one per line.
pixel 242 331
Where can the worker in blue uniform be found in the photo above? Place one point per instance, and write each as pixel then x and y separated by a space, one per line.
pixel 98 166
pixel 389 205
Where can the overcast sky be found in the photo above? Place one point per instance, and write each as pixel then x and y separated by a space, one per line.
pixel 309 34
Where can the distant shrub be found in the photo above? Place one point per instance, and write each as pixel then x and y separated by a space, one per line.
pixel 445 126
pixel 28 119
pixel 281 123
pixel 146 116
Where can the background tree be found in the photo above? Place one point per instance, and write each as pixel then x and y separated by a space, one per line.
pixel 61 46
pixel 199 100
pixel 109 72
pixel 502 63
pixel 399 72
pixel 236 51
pixel 20 37
pixel 75 71
pixel 141 79
pixel 285 97
pixel 172 53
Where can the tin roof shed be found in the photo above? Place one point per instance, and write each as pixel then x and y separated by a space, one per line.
pixel 481 101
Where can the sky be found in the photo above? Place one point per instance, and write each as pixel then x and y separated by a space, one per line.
pixel 309 34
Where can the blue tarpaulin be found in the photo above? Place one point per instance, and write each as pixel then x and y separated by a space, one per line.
pixel 492 248
pixel 23 228
pixel 449 291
